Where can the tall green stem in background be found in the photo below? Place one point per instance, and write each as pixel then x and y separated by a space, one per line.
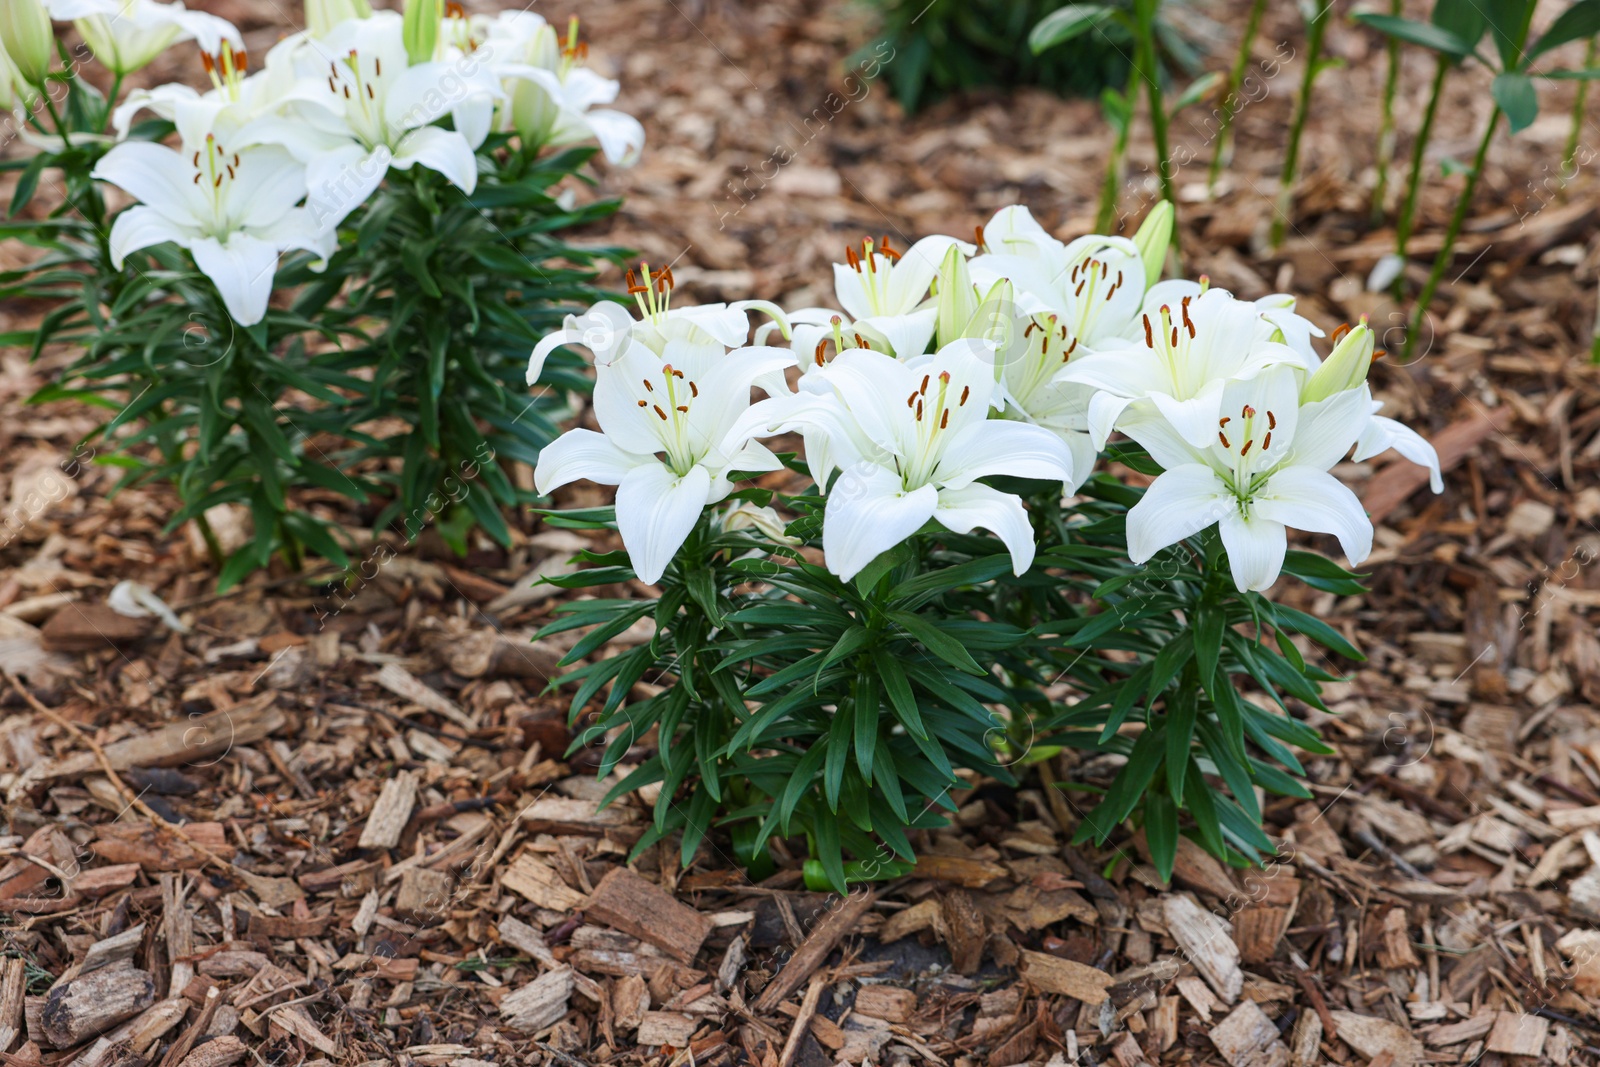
pixel 1577 108
pixel 1316 26
pixel 1150 71
pixel 1106 217
pixel 1408 207
pixel 1391 83
pixel 1230 91
pixel 1441 262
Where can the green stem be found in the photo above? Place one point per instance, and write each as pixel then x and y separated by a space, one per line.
pixel 1391 83
pixel 1577 108
pixel 1315 27
pixel 1231 90
pixel 111 102
pixel 1150 71
pixel 213 545
pixel 1106 217
pixel 1441 262
pixel 1408 208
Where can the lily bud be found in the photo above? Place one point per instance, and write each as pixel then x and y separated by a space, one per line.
pixel 26 35
pixel 1345 368
pixel 747 516
pixel 420 30
pixel 533 112
pixel 323 15
pixel 958 297
pixel 9 82
pixel 1153 239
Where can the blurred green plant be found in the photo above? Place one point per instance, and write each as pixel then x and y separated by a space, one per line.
pixel 1153 40
pixel 1454 33
pixel 1230 92
pixel 1315 13
pixel 949 46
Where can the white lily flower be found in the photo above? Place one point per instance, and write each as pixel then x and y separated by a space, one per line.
pixel 608 330
pixel 126 35
pixel 552 98
pixel 238 100
pixel 885 292
pixel 1264 469
pixel 912 439
pixel 373 111
pixel 1190 350
pixel 669 441
pixel 233 209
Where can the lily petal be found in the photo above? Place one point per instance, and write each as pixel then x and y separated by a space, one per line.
pixel 964 510
pixel 1256 548
pixel 444 151
pixel 583 454
pixel 242 269
pixel 656 510
pixel 1314 500
pixel 1382 434
pixel 869 512
pixel 999 446
pixel 1180 503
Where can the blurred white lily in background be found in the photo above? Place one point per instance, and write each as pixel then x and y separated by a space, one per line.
pixel 126 35
pixel 232 208
pixel 1264 469
pixel 911 440
pixel 552 97
pixel 374 110
pixel 27 37
pixel 323 15
pixel 608 330
pixel 669 440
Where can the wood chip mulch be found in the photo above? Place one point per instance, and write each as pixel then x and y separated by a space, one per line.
pixel 335 824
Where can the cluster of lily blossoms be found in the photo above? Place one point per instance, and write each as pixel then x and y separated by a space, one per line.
pixel 951 362
pixel 274 160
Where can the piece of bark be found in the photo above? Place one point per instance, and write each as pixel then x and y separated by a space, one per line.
pixel 1370 1036
pixel 1516 1034
pixel 1067 978
pixel 390 812
pixel 802 1021
pixel 87 627
pixel 91 1004
pixel 538 882
pixel 625 901
pixel 490 654
pixel 292 1019
pixel 630 999
pixel 825 935
pixel 1195 868
pixel 424 895
pixel 155 851
pixel 525 939
pixel 1469 1029
pixel 732 965
pixel 98 881
pixel 112 950
pixel 399 681
pixel 1305 1044
pixel 1247 1038
pixel 1257 930
pixel 672 1028
pixel 541 1003
pixel 1394 484
pixel 564 815
pixel 1394 949
pixel 199 740
pixel 1207 941
pixel 964 931
pixel 1164 1023
pixel 218 1052
pixel 969 873
pixel 13 991
pixel 923 915
pixel 887 1002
